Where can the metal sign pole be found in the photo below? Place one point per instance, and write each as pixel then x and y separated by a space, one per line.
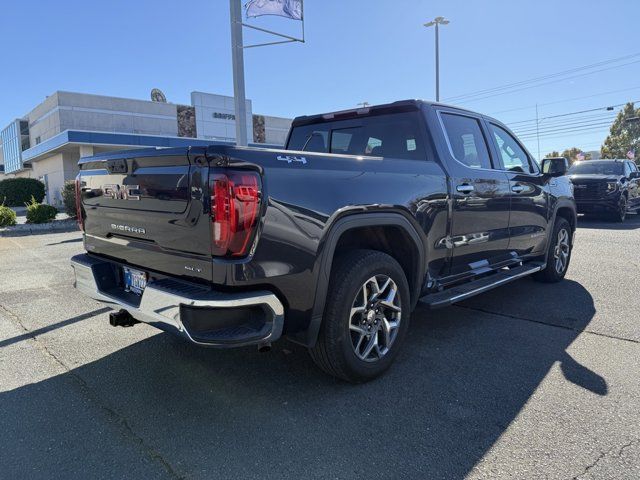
pixel 237 55
pixel 437 64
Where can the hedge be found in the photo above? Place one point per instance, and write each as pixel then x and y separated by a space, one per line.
pixel 7 216
pixel 39 212
pixel 69 198
pixel 16 192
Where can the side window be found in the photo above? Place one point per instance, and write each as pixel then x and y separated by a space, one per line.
pixel 467 142
pixel 633 166
pixel 514 158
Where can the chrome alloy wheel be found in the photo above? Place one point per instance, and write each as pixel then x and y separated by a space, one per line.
pixel 561 251
pixel 375 318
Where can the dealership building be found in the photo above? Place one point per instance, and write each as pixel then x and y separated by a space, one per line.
pixel 47 142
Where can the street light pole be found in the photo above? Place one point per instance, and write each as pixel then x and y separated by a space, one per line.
pixel 437 22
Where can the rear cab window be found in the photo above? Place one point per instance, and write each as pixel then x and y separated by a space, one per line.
pixel 396 135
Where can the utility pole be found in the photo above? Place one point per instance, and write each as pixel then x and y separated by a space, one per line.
pixel 237 55
pixel 437 22
pixel 538 131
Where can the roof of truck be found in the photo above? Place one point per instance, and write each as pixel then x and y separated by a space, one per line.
pixel 393 107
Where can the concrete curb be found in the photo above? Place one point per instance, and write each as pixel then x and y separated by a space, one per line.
pixel 38 228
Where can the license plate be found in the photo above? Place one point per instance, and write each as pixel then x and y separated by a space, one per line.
pixel 135 281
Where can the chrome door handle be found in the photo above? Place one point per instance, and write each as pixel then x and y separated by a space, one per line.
pixel 465 188
pixel 518 188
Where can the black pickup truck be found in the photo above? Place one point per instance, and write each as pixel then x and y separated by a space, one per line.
pixel 611 187
pixel 331 241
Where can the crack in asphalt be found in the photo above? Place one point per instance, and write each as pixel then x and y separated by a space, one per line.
pixel 540 322
pixel 114 415
pixel 603 455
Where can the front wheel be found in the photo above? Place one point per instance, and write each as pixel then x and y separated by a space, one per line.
pixel 620 214
pixel 558 254
pixel 366 316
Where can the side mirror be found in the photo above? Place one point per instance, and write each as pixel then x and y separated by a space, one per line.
pixel 634 175
pixel 555 167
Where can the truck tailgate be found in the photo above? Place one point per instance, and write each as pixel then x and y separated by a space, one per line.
pixel 148 208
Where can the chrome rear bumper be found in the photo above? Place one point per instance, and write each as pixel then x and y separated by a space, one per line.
pixel 163 305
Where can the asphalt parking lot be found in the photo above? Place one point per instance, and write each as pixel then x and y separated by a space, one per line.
pixel 527 381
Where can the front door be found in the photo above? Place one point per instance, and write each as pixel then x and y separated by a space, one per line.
pixel 479 233
pixel 634 184
pixel 529 194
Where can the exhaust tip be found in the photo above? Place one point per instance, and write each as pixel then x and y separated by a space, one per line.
pixel 264 347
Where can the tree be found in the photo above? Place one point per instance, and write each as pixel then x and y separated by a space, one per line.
pixel 624 135
pixel 570 154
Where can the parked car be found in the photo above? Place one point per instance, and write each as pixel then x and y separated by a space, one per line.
pixel 610 187
pixel 331 241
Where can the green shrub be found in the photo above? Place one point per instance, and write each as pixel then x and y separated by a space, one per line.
pixel 7 216
pixel 39 212
pixel 69 198
pixel 16 192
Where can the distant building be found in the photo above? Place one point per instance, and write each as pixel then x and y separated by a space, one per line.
pixel 48 141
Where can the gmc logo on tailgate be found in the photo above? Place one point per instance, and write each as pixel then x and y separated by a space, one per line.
pixel 121 192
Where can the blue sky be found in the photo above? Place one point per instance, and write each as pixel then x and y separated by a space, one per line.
pixel 375 51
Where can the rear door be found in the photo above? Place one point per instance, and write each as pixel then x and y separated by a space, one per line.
pixel 528 190
pixel 479 233
pixel 149 209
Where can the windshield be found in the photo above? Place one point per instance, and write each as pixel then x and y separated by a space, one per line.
pixel 596 168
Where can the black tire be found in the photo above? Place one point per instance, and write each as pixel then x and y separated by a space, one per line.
pixel 551 273
pixel 334 351
pixel 620 214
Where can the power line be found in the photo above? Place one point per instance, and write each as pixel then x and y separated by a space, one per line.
pixel 566 100
pixel 532 124
pixel 572 131
pixel 573 113
pixel 543 77
pixel 471 99
pixel 564 123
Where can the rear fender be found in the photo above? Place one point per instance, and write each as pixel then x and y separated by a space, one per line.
pixel 327 252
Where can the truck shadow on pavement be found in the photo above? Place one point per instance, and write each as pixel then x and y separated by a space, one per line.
pixel 464 375
pixel 632 222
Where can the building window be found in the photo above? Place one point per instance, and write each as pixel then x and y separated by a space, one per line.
pixel 14 139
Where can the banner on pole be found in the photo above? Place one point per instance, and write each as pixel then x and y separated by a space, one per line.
pixel 283 8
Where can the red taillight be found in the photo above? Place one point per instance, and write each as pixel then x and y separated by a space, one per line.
pixel 235 203
pixel 79 203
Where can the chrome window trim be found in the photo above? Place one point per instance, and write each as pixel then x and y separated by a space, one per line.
pixel 446 138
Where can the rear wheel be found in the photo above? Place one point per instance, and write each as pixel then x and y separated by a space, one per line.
pixel 558 254
pixel 366 316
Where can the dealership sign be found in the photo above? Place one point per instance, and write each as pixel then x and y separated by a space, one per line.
pixel 223 116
